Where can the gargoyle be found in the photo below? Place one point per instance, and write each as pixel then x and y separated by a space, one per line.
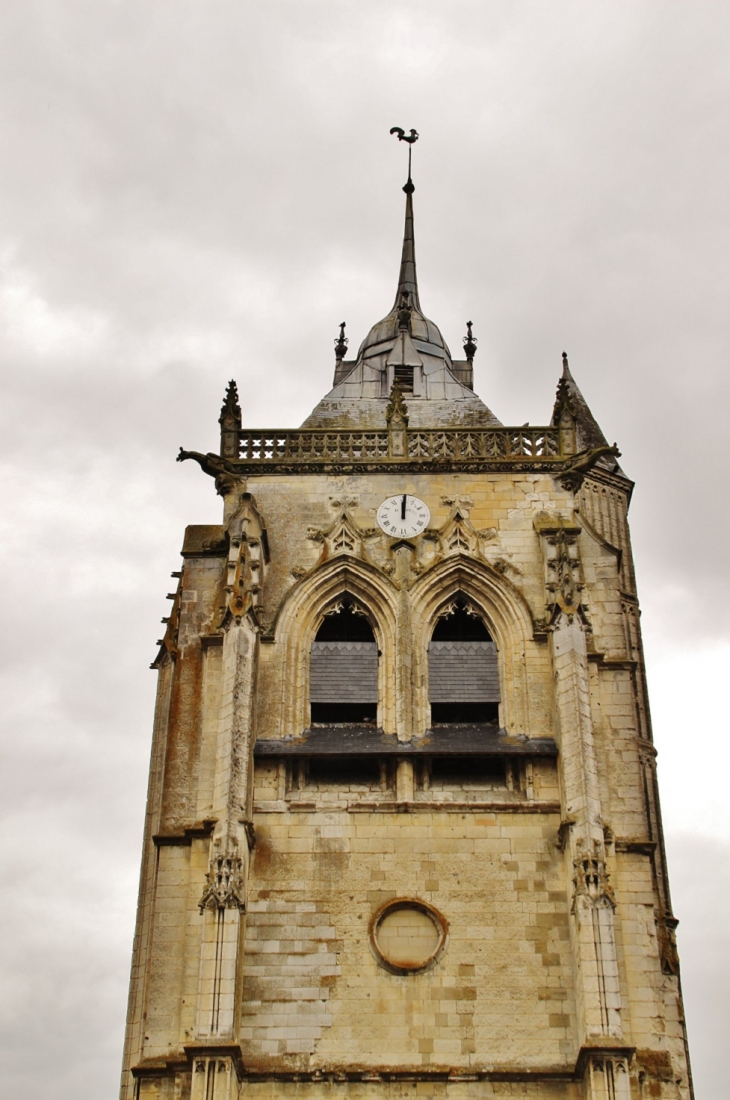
pixel 576 467
pixel 224 473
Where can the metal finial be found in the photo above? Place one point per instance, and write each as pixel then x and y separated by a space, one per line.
pixel 470 343
pixel 565 358
pixel 341 343
pixel 409 187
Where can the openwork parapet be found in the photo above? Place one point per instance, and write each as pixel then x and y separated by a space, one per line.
pixel 428 447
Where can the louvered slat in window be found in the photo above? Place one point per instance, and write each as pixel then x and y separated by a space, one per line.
pixel 344 672
pixel 463 672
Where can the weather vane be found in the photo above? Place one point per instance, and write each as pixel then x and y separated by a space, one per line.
pixel 410 138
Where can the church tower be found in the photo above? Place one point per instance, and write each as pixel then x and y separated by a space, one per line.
pixel 403 834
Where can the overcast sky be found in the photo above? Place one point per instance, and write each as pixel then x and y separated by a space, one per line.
pixel 198 191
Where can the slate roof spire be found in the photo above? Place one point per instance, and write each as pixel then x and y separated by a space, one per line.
pixel 407 347
pixel 407 279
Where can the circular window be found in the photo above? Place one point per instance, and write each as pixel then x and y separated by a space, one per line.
pixel 407 936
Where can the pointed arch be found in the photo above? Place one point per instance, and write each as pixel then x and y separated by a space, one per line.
pixel 300 616
pixel 509 621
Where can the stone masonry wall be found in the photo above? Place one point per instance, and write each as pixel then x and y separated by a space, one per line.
pixel 314 992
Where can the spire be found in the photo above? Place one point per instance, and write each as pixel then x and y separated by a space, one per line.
pixel 407 281
pixel 404 347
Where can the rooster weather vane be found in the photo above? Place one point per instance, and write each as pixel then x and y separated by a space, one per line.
pixel 410 138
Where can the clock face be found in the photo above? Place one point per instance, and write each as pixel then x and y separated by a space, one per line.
pixel 403 516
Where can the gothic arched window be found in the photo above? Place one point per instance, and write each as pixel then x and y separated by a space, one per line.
pixel 343 668
pixel 462 668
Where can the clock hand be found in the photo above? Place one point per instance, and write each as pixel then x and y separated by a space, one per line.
pixel 403 507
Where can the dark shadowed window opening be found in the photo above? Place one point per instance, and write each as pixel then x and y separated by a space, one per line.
pixel 344 771
pixel 463 714
pixel 461 624
pixel 345 623
pixel 404 377
pixel 465 771
pixel 462 669
pixel 343 670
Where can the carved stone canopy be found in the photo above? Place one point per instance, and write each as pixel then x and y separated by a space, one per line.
pixel 224 883
pixel 563 572
pixel 248 556
pixel 590 880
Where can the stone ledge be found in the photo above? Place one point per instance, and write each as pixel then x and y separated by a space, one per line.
pixel 363 741
pixel 393 807
pixel 267 1070
pixel 634 845
pixel 603 1048
pixel 220 1049
pixel 256 1072
pixel 455 807
pixel 201 830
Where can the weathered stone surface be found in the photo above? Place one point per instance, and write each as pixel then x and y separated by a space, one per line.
pixel 535 838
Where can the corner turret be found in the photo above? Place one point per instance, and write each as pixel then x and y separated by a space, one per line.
pixel 572 416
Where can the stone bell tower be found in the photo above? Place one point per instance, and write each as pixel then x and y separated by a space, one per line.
pixel 403 833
